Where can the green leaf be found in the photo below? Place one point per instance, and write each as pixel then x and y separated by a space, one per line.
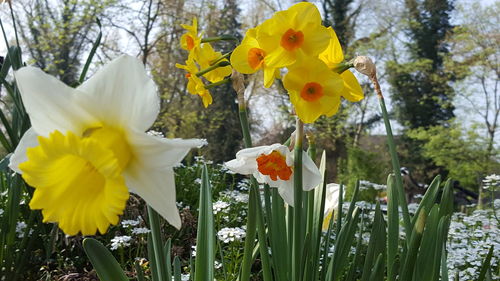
pixel 343 247
pixel 377 274
pixel 205 238
pixel 105 264
pixel 427 253
pixel 376 246
pixel 97 42
pixel 409 259
pixel 139 271
pixel 392 227
pixel 177 269
pixel 486 265
pixel 429 197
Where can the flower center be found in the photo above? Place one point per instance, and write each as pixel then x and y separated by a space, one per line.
pixel 256 57
pixel 292 40
pixel 190 42
pixel 78 180
pixel 312 91
pixel 274 165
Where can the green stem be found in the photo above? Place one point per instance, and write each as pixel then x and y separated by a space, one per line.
pixel 223 81
pixel 219 38
pixel 154 221
pixel 215 66
pixel 225 56
pixel 252 217
pixel 4 35
pixel 297 209
pixel 397 171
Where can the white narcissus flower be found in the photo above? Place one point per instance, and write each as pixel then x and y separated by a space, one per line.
pixel 87 147
pixel 331 203
pixel 273 164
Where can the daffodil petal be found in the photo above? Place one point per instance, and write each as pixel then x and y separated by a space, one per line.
pixel 152 152
pixel 286 192
pixel 157 188
pixel 311 176
pixel 352 90
pixel 124 84
pixel 50 104
pixel 19 156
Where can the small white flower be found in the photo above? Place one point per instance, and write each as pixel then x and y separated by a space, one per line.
pixel 120 242
pixel 231 234
pixel 130 223
pixel 220 206
pixel 140 230
pixel 273 164
pixel 1 211
pixel 20 227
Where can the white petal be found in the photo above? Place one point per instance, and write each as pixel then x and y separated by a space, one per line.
pixel 242 166
pixel 158 153
pixel 157 188
pixel 123 94
pixel 50 104
pixel 286 192
pixel 19 156
pixel 311 177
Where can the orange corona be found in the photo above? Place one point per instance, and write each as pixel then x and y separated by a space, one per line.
pixel 256 58
pixel 292 40
pixel 312 91
pixel 274 165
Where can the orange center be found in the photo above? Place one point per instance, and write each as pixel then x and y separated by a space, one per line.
pixel 188 75
pixel 190 42
pixel 274 165
pixel 256 57
pixel 292 39
pixel 312 91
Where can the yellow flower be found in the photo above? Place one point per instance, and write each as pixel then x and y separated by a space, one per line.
pixel 313 88
pixel 249 57
pixel 190 40
pixel 333 56
pixel 87 147
pixel 292 32
pixel 195 86
pixel 207 58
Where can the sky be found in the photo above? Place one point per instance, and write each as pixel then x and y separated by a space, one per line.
pixel 245 6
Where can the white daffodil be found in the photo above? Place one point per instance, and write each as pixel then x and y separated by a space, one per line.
pixel 87 147
pixel 273 165
pixel 331 203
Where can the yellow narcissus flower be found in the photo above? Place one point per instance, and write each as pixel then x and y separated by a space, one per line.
pixel 249 57
pixel 87 147
pixel 291 33
pixel 333 56
pixel 207 58
pixel 190 40
pixel 195 86
pixel 313 88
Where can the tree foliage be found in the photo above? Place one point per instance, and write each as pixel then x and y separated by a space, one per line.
pixel 57 34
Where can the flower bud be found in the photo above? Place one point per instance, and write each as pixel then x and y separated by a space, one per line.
pixel 365 66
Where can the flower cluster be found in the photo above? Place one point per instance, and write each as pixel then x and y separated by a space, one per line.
pixel 203 61
pixel 296 39
pixel 120 242
pixel 492 181
pixel 231 234
pixel 470 238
